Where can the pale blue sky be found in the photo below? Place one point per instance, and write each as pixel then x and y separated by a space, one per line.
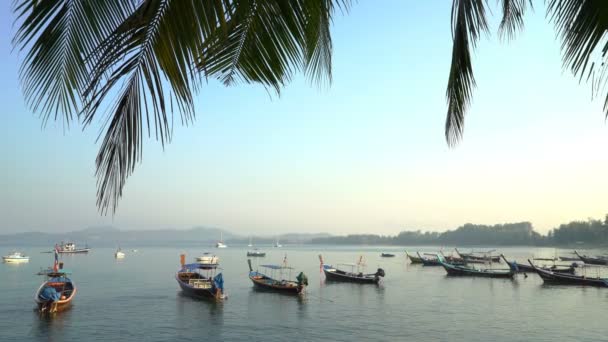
pixel 365 155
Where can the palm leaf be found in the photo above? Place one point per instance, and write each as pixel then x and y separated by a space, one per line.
pixel 58 35
pixel 468 22
pixel 512 17
pixel 582 27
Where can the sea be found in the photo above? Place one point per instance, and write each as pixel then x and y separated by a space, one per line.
pixel 138 299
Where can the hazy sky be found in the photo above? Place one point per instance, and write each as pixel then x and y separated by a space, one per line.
pixel 365 155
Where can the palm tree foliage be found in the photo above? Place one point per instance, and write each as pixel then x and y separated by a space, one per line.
pixel 143 60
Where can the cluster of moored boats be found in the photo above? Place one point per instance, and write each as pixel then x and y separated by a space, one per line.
pixel 464 264
pixel 202 279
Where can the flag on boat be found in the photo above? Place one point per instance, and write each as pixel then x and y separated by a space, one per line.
pixel 56 263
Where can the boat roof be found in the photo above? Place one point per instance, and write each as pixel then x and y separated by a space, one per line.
pixel 199 266
pixel 277 267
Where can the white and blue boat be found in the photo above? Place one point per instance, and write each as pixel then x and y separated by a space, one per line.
pixel 200 280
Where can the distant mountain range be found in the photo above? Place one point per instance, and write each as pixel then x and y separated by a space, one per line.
pixel 111 236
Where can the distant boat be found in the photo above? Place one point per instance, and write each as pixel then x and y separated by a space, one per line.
pixel 599 260
pixel 276 280
pixel 208 260
pixel 429 261
pixel 220 244
pixel 134 250
pixel 478 257
pixel 277 244
pixel 200 280
pixel 119 254
pixel 413 259
pixel 256 253
pixel 70 248
pixel 57 292
pixel 387 255
pixel 15 258
pixel 463 270
pixel 250 242
pixel 355 275
pixel 521 268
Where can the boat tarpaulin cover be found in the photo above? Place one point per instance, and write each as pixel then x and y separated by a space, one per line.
pixel 218 281
pixel 49 293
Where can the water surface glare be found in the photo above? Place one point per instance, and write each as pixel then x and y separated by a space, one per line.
pixel 138 299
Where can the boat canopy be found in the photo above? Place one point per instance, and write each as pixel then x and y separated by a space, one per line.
pixel 277 267
pixel 199 266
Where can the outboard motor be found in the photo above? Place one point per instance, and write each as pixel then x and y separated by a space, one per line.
pixel 379 273
pixel 302 279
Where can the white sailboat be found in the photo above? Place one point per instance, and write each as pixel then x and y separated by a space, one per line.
pixel 250 243
pixel 220 244
pixel 119 254
pixel 277 244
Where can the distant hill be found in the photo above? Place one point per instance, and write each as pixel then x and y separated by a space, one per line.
pixel 111 236
pixel 108 236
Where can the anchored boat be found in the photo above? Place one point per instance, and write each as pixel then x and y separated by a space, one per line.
pixel 256 253
pixel 276 280
pixel 568 279
pixel 57 292
pixel 355 275
pixel 16 258
pixel 200 279
pixel 70 248
pixel 463 270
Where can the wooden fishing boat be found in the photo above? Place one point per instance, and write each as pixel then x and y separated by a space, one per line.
pixel 592 260
pixel 355 275
pixel 475 257
pixel 566 258
pixel 463 270
pixel 200 280
pixel 568 279
pixel 275 282
pixel 387 255
pixel 413 259
pixel 57 292
pixel 523 268
pixel 429 261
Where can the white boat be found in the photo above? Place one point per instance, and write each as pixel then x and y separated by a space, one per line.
pixel 220 244
pixel 250 243
pixel 207 259
pixel 277 244
pixel 16 257
pixel 70 248
pixel 119 254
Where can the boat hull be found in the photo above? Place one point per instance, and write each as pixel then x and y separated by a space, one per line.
pixel 265 283
pixel 211 293
pixel 54 306
pixel 15 260
pixel 345 277
pixel 568 279
pixel 462 271
pixel 76 251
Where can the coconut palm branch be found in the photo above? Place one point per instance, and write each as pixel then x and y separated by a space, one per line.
pixel 144 60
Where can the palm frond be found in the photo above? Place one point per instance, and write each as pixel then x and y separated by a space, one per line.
pixel 582 27
pixel 512 17
pixel 468 23
pixel 58 35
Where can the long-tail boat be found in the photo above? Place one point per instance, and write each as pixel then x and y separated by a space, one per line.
pixel 355 275
pixel 592 260
pixel 387 255
pixel 429 261
pixel 463 270
pixel 275 282
pixel 473 257
pixel 57 292
pixel 256 253
pixel 568 279
pixel 200 279
pixel 523 268
pixel 413 259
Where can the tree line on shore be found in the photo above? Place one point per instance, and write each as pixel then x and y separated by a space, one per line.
pixel 590 232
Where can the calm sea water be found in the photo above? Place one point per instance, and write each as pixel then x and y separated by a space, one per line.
pixel 139 299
